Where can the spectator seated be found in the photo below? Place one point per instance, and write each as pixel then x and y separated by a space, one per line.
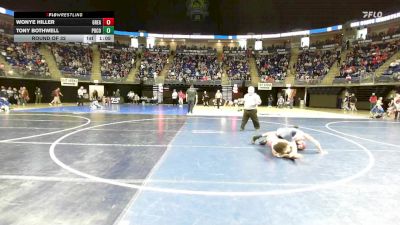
pixel 366 58
pixel 384 34
pixel 313 65
pixel 272 66
pixel 24 58
pixel 276 47
pixel 236 63
pixel 116 63
pixel 328 43
pixel 153 61
pixel 2 71
pixel 193 63
pixel 392 73
pixel 73 60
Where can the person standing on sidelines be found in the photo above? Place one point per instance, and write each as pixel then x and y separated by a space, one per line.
pixel 131 96
pixel 205 98
pixel 218 97
pixel 251 101
pixel 270 100
pixel 24 96
pixel 396 102
pixel 372 101
pixel 353 102
pixel 56 97
pixel 81 92
pixel 191 98
pixel 174 97
pixel 181 97
pixel 38 96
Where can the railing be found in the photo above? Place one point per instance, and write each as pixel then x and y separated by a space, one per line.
pixel 23 72
pixel 113 79
pixel 239 82
pixel 72 75
pixel 388 79
pixel 364 79
pixel 316 81
pixel 194 82
pixel 368 79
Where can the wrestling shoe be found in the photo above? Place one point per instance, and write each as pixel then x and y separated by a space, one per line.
pixel 255 138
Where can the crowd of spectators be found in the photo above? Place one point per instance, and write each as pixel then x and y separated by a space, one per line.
pixel 152 62
pixel 392 72
pixel 336 39
pixel 237 66
pixel 24 58
pixel 195 63
pixel 116 63
pixel 366 58
pixel 274 47
pixel 272 66
pixel 72 59
pixel 236 63
pixel 195 67
pixel 314 65
pixel 6 25
pixel 378 36
pixel 15 96
pixel 185 48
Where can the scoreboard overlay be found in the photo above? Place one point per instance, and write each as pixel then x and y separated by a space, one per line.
pixel 84 27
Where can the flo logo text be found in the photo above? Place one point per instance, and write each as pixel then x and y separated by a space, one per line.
pixel 372 14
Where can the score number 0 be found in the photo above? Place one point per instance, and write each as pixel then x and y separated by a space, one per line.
pixel 108 21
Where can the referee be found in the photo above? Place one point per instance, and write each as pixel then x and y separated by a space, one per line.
pixel 81 92
pixel 191 98
pixel 251 101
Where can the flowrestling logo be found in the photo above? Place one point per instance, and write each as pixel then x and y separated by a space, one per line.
pixel 372 14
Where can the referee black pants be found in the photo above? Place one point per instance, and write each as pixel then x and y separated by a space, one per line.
pixel 80 100
pixel 191 105
pixel 218 102
pixel 254 118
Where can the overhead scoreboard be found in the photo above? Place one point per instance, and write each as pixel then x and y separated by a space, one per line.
pixel 84 27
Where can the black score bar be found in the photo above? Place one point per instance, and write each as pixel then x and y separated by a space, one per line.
pixel 70 15
pixel 59 22
pixel 62 30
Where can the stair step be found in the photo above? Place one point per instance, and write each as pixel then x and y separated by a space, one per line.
pixel 334 70
pixel 96 72
pixel 134 71
pixel 255 79
pixel 291 75
pixel 164 72
pixel 55 72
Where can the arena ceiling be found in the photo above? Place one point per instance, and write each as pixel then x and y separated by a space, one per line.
pixel 224 16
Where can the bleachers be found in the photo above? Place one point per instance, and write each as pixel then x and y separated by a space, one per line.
pixel 313 65
pixel 273 64
pixel 393 73
pixel 375 36
pixel 236 63
pixel 365 59
pixel 24 58
pixel 195 64
pixel 73 60
pixel 152 62
pixel 116 62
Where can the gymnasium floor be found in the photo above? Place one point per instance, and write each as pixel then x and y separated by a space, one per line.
pixel 71 166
